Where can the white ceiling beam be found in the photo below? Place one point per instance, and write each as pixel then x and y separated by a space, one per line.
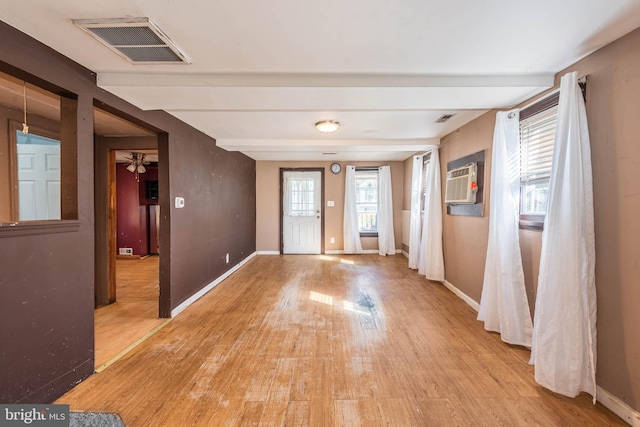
pixel 322 80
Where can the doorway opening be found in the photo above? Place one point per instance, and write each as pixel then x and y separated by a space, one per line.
pixel 128 236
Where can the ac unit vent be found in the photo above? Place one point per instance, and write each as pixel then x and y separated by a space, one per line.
pixel 462 185
pixel 138 40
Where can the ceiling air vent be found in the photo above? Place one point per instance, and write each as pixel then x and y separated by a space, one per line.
pixel 443 118
pixel 138 40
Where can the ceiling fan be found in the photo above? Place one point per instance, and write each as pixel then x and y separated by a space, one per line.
pixel 137 163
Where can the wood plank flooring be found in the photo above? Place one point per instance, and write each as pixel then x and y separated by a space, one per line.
pixel 329 340
pixel 135 313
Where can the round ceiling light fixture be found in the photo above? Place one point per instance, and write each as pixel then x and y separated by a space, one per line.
pixel 327 126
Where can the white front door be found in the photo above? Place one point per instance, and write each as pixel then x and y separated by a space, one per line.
pixel 39 181
pixel 302 212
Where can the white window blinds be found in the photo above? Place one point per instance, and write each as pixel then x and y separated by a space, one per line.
pixel 537 134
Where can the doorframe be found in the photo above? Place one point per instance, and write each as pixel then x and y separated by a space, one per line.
pixel 104 201
pixel 282 171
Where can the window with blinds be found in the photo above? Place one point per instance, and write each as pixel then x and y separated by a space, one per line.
pixel 537 135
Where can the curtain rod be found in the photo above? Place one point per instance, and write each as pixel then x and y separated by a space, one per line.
pixel 582 81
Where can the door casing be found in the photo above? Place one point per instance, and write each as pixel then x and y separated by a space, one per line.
pixel 282 171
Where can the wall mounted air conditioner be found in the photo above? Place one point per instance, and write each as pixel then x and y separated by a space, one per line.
pixel 462 185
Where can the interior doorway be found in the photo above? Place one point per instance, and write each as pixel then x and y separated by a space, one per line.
pixel 128 236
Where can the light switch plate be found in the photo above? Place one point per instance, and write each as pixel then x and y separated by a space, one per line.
pixel 179 202
pixel 330 203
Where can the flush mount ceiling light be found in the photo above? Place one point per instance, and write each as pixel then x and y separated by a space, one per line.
pixel 327 126
pixel 138 40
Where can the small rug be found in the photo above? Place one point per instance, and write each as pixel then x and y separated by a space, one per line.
pixel 94 419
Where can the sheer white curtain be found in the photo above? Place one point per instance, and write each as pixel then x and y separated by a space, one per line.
pixel 431 263
pixel 503 305
pixel 352 244
pixel 564 334
pixel 415 225
pixel 386 237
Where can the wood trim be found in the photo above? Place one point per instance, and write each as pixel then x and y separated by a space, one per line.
pixel 112 225
pixel 532 222
pixel 31 228
pixel 69 158
pixel 322 208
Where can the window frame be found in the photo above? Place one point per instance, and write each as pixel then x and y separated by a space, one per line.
pixel 68 136
pixel 376 170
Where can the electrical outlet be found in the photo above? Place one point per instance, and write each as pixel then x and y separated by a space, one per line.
pixel 332 240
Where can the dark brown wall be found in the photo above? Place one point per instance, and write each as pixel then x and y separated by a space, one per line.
pixel 47 280
pixel 613 110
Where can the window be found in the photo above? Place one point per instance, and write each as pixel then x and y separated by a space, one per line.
pixel 367 200
pixel 537 135
pixel 38 171
pixel 301 197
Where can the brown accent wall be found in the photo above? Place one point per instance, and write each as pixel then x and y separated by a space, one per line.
pixel 268 203
pixel 613 109
pixel 47 280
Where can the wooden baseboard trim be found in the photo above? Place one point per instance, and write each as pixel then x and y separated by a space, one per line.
pixel 129 257
pixel 131 347
pixel 193 298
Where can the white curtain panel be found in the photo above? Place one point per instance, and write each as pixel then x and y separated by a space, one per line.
pixel 386 237
pixel 503 305
pixel 431 258
pixel 415 225
pixel 564 334
pixel 352 244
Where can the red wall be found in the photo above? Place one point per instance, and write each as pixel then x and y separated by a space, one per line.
pixel 133 210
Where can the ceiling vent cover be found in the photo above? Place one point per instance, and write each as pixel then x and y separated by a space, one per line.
pixel 138 40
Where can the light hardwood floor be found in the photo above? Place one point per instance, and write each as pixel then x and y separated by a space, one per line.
pixel 324 341
pixel 135 314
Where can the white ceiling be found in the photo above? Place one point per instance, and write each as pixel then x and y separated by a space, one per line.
pixel 264 72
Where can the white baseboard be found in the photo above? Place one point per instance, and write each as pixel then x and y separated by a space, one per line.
pixel 608 400
pixel 406 254
pixel 618 407
pixel 366 251
pixel 195 297
pixel 464 297
pixel 267 252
